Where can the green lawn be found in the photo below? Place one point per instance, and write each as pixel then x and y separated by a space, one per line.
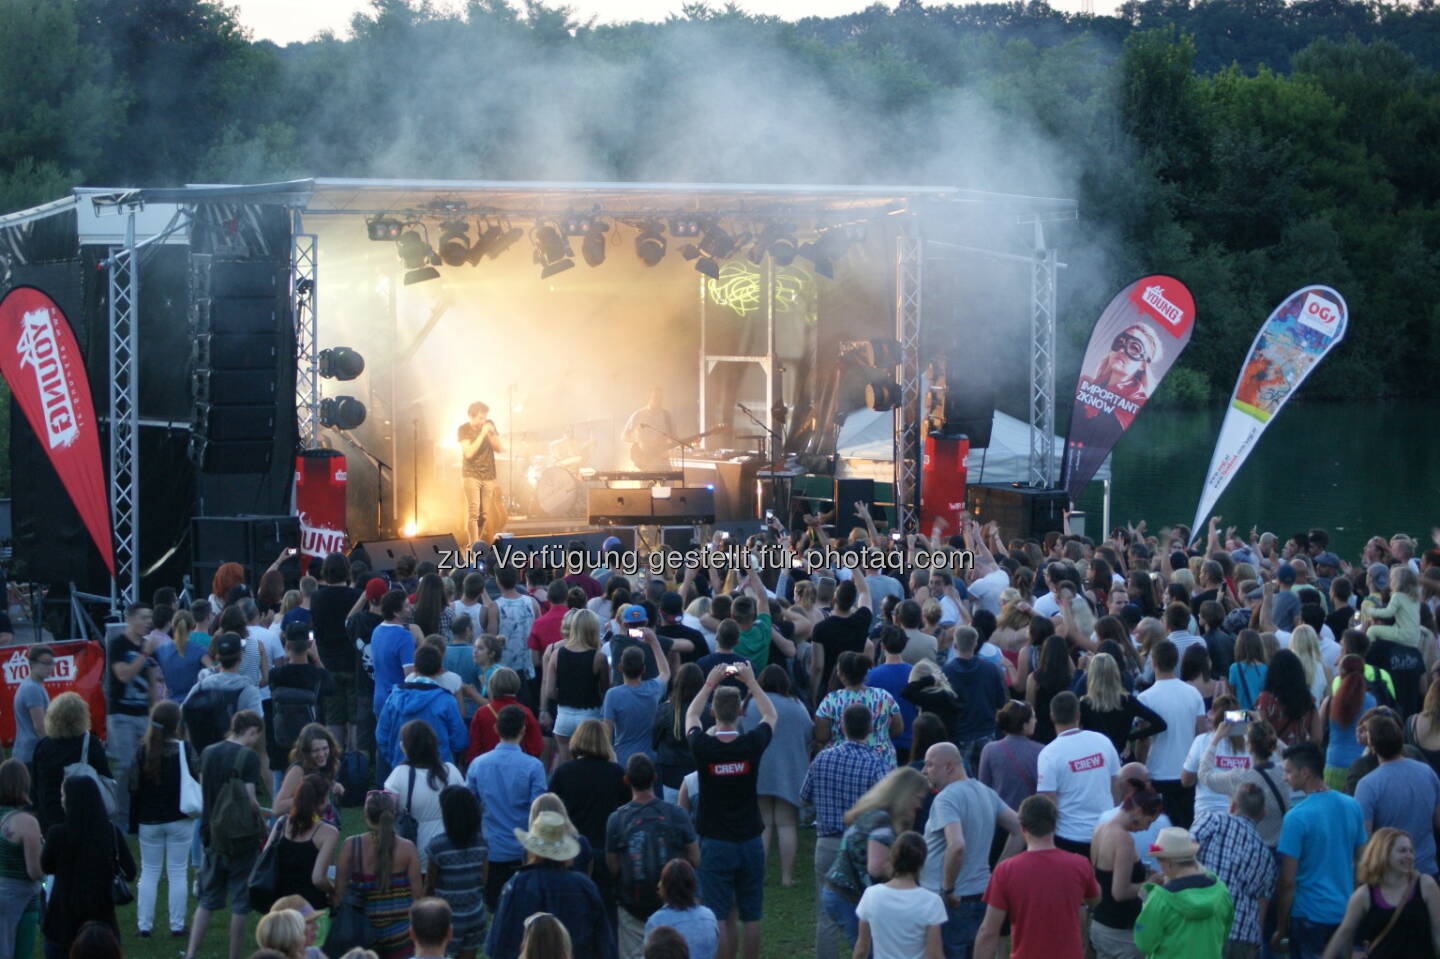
pixel 789 914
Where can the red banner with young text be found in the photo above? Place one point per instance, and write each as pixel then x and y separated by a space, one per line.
pixel 79 668
pixel 41 362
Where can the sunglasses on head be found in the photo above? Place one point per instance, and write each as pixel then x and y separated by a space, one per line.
pixel 532 917
pixel 1129 345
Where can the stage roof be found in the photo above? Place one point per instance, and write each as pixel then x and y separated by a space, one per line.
pixel 325 196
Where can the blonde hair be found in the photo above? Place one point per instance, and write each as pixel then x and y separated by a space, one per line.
pixel 283 931
pixel 1375 857
pixel 1305 644
pixel 181 625
pixel 584 628
pixel 1011 616
pixel 550 802
pixel 545 938
pixel 67 716
pixel 291 600
pixel 590 738
pixel 1148 633
pixel 1104 692
pixel 927 667
pixel 1404 580
pixel 1185 578
pixel 804 593
pixel 897 794
pixel 931 612
pixel 699 607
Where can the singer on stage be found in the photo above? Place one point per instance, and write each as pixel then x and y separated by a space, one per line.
pixel 650 433
pixel 479 442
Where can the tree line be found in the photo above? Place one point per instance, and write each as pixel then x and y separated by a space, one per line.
pixel 1246 146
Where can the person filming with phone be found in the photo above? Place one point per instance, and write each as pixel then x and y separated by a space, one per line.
pixel 732 858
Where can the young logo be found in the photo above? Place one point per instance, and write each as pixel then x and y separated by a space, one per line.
pixel 17 669
pixel 39 349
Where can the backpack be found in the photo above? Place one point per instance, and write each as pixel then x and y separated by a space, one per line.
pixel 1375 686
pixel 236 826
pixel 82 767
pixel 354 775
pixel 292 709
pixel 207 712
pixel 645 849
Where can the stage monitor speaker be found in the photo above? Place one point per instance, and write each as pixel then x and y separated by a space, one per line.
pixel 677 538
pixel 970 410
pixel 592 540
pixel 382 554
pixel 619 507
pixel 252 541
pixel 847 493
pixel 441 549
pixel 684 505
pixel 1026 512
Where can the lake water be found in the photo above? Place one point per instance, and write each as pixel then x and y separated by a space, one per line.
pixel 1356 470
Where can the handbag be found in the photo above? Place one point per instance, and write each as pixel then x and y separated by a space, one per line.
pixel 406 825
pixel 82 767
pixel 265 874
pixel 120 892
pixel 192 797
pixel 350 920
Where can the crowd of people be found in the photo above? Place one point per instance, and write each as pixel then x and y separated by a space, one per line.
pixel 1127 747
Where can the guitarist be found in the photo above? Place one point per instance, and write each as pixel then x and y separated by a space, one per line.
pixel 479 442
pixel 649 431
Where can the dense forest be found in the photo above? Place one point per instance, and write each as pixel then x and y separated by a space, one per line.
pixel 1246 146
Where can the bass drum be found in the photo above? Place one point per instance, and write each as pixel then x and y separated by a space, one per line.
pixel 559 493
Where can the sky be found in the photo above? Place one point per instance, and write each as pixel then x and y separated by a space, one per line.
pixel 285 21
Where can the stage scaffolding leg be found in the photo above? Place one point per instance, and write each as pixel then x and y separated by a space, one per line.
pixel 124 433
pixel 909 259
pixel 304 301
pixel 1042 361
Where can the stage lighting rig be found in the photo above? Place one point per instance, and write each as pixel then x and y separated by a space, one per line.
pixel 650 244
pixel 419 257
pixel 341 413
pixel 685 226
pixel 714 246
pixel 593 246
pixel 552 251
pixel 495 240
pixel 830 245
pixel 578 224
pixel 340 363
pixel 384 228
pixel 778 242
pixel 455 243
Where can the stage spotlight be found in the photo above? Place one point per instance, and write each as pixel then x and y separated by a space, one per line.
pixel 552 251
pixel 824 265
pixel 505 237
pixel 650 244
pixel 593 246
pixel 455 243
pixel 577 225
pixel 716 243
pixel 708 267
pixel 685 226
pixel 419 259
pixel 410 529
pixel 341 363
pixel 882 396
pixel 777 242
pixel 384 228
pixel 341 413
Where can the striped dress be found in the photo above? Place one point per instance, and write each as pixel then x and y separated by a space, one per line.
pixel 460 882
pixel 389 913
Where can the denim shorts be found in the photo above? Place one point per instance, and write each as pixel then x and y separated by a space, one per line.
pixel 733 873
pixel 569 718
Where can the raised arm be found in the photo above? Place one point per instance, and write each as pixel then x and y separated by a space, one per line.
pixel 746 675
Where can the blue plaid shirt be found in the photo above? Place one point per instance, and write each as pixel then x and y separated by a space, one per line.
pixel 836 778
pixel 1232 849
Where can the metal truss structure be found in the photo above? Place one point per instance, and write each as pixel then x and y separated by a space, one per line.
pixel 909 265
pixel 304 295
pixel 124 432
pixel 1042 361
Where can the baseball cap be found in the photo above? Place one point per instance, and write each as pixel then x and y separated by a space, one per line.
pixel 1286 573
pixel 1243 555
pixel 633 614
pixel 611 542
pixel 671 604
pixel 228 644
pixel 1328 559
pixel 374 589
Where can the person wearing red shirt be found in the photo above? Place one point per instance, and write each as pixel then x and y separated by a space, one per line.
pixel 504 687
pixel 1040 891
pixel 545 631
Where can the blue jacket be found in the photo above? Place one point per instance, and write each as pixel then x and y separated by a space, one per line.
pixel 569 896
pixel 427 700
pixel 980 687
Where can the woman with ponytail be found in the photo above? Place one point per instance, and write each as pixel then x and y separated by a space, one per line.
pixel 1342 711
pixel 165 831
pixel 385 870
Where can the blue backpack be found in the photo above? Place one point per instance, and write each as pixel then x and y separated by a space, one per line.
pixel 354 775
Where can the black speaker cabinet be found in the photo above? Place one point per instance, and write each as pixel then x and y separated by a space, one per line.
pixel 252 541
pixel 1026 512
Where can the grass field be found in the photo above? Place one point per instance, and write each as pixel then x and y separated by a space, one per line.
pixel 789 929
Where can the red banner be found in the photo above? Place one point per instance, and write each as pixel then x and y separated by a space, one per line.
pixel 320 483
pixel 79 668
pixel 41 362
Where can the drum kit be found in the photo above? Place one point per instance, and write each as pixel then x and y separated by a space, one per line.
pixel 548 477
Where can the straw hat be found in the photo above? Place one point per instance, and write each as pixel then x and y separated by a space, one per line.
pixel 549 838
pixel 1174 843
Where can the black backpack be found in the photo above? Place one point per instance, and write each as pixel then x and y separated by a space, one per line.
pixel 207 712
pixel 644 852
pixel 292 709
